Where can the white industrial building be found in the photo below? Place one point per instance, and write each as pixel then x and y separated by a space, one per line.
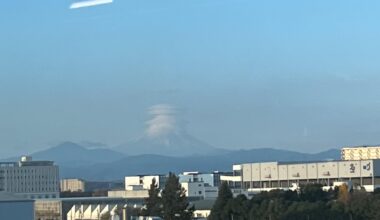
pixel 31 179
pixel 96 212
pixel 197 185
pixel 360 153
pixel 137 187
pixel 57 209
pixel 144 181
pixel 200 185
pixel 265 176
pixel 211 179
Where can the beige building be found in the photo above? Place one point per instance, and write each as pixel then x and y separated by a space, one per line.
pixel 360 153
pixel 73 185
pixel 47 209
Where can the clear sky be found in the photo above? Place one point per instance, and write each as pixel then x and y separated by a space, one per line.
pixel 299 75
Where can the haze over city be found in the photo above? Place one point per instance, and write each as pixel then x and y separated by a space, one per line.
pixel 235 74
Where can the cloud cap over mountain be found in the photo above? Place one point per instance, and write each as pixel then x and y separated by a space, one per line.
pixel 166 135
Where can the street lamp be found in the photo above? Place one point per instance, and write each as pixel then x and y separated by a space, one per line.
pixel 125 212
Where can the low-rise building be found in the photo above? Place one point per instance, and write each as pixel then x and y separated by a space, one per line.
pixel 202 208
pixel 144 181
pixel 211 179
pixel 200 185
pixel 199 190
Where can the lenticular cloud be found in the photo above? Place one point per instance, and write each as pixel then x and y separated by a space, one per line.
pixel 164 120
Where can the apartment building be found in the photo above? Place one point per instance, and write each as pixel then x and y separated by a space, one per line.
pixel 73 185
pixel 360 153
pixel 30 179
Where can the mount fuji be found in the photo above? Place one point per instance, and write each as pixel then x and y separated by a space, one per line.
pixel 171 144
pixel 166 134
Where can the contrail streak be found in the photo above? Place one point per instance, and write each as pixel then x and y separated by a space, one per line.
pixel 89 3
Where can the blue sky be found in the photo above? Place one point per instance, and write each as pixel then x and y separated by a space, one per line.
pixel 297 75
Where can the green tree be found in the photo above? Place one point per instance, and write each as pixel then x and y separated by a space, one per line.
pixel 238 208
pixel 218 211
pixel 174 201
pixel 153 204
pixel 313 193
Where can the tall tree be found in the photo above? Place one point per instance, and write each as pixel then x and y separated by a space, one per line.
pixel 174 201
pixel 344 194
pixel 218 211
pixel 153 204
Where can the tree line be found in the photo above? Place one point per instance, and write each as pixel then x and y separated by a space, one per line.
pixel 170 204
pixel 309 203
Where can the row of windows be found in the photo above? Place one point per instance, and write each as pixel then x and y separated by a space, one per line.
pixel 30 177
pixel 325 182
pixel 43 196
pixel 27 171
pixel 42 189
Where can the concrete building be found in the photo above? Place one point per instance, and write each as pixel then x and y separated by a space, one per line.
pixel 73 185
pixel 211 179
pixel 144 181
pixel 31 179
pixel 199 190
pixel 14 207
pixel 360 153
pixel 255 177
pixel 200 185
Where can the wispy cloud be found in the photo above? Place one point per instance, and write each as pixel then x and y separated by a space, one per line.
pixel 164 120
pixel 89 3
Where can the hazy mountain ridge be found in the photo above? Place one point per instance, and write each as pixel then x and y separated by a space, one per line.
pixel 105 164
pixel 158 164
pixel 173 144
pixel 71 154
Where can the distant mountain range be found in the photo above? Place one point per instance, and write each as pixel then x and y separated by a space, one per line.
pixel 171 144
pixel 105 164
pixel 74 155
